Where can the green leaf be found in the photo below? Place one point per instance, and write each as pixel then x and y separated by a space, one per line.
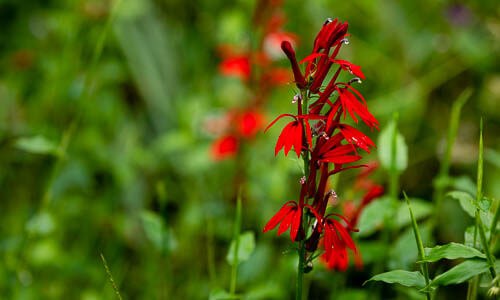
pixel 420 208
pixel 451 251
pixel 220 294
pixel 406 278
pixel 466 201
pixel 403 251
pixel 156 231
pixel 37 145
pixel 245 249
pixel 385 146
pixel 461 272
pixel 373 216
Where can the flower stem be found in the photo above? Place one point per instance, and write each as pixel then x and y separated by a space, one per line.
pixel 236 239
pixel 444 168
pixel 302 250
pixel 479 195
pixel 300 271
pixel 420 246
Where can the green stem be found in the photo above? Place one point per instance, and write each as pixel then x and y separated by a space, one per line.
pixel 236 239
pixel 442 178
pixel 300 271
pixel 479 195
pixel 302 251
pixel 420 246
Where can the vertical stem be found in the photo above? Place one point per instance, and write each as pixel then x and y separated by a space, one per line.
pixel 302 251
pixel 236 239
pixel 479 195
pixel 300 271
pixel 394 174
pixel 444 167
pixel 420 246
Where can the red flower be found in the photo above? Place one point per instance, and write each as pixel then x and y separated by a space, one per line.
pixel 289 216
pixel 333 151
pixel 297 74
pixel 352 68
pixel 354 107
pixel 238 65
pixel 336 241
pixel 356 137
pixel 225 147
pixel 249 123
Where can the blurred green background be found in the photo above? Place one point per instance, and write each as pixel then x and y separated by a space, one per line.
pixel 103 147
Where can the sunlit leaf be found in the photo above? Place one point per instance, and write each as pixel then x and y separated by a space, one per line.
pixel 385 148
pixel 451 251
pixel 220 294
pixel 37 144
pixel 156 231
pixel 406 278
pixel 245 248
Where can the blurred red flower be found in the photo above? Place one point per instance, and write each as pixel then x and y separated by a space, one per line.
pixel 225 147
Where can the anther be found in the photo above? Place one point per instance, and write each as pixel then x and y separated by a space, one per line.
pixel 344 41
pixel 296 98
pixel 329 20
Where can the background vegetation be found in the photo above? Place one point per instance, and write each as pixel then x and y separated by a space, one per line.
pixel 104 147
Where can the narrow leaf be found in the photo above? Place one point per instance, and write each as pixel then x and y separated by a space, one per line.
pixel 451 251
pixel 461 272
pixel 406 278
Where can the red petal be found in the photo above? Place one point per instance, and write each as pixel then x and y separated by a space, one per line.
pixel 287 221
pixel 276 219
pixel 296 222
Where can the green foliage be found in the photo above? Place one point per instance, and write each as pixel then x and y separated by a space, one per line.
pixel 385 142
pixel 246 246
pixel 451 251
pixel 37 145
pixel 106 111
pixel 406 278
pixel 460 273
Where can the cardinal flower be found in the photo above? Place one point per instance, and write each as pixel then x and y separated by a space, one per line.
pixel 336 241
pixel 289 216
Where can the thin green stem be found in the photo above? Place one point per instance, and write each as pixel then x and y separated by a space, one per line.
pixel 479 195
pixel 300 271
pixel 110 276
pixel 493 227
pixel 236 239
pixel 420 246
pixel 394 174
pixel 442 178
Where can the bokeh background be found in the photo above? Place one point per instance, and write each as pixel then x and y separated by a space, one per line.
pixel 104 147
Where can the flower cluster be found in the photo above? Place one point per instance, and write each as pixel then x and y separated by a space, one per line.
pixel 327 145
pixel 256 69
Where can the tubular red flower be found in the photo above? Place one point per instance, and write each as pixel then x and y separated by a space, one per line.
pixel 297 74
pixel 289 216
pixel 336 241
